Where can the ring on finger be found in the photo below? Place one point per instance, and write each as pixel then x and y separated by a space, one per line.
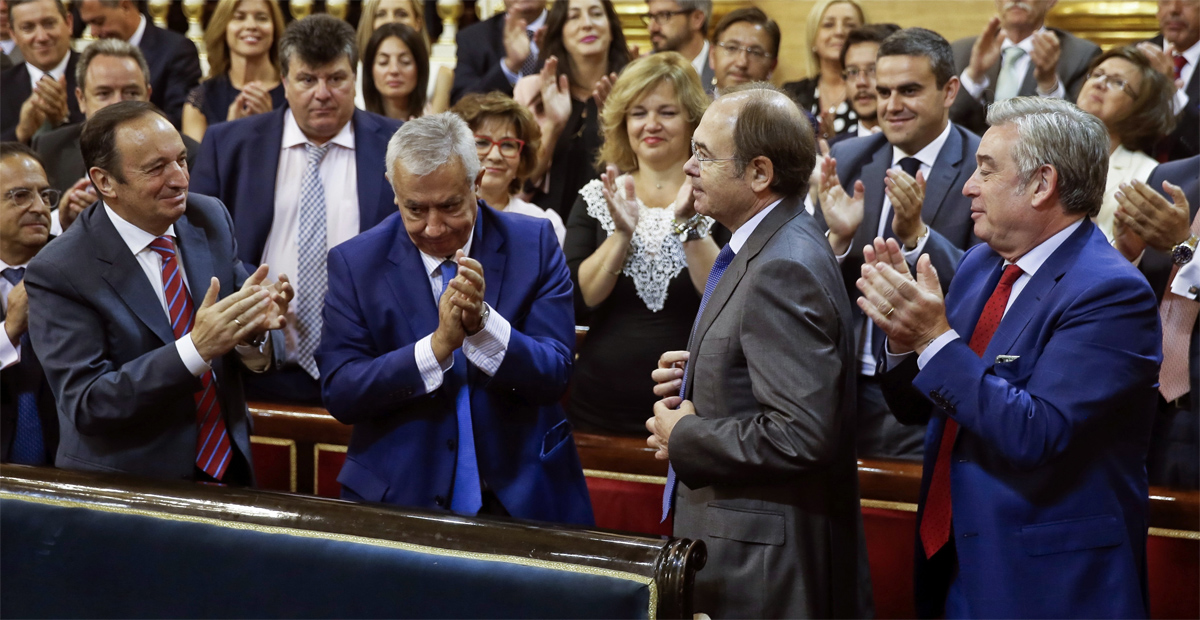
pixel 889 312
pixel 239 323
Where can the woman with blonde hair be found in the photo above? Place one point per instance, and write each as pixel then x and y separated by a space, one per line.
pixel 638 252
pixel 823 93
pixel 243 66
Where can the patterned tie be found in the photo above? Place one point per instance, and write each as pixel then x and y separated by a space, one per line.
pixel 1178 315
pixel 910 166
pixel 529 67
pixel 213 449
pixel 935 521
pixel 718 269
pixel 468 496
pixel 1179 61
pixel 313 278
pixel 27 446
pixel 1009 83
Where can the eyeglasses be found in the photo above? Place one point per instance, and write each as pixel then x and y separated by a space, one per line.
pixel 852 73
pixel 662 17
pixel 1111 81
pixel 23 197
pixel 704 160
pixel 509 147
pixel 756 54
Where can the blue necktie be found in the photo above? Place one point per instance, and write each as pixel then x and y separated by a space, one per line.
pixel 27 447
pixel 714 276
pixel 468 496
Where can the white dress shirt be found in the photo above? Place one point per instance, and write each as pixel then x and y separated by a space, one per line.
pixel 701 59
pixel 9 353
pixel 57 72
pixel 1021 67
pixel 1192 56
pixel 136 39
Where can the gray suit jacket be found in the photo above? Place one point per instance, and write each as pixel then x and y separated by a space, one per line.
pixel 1073 63
pixel 767 472
pixel 125 399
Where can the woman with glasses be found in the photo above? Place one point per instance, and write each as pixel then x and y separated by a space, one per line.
pixel 507 140
pixel 395 72
pixel 638 253
pixel 823 93
pixel 1124 90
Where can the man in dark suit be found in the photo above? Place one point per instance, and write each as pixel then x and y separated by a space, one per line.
pixel 1176 52
pixel 261 168
pixel 144 317
pixel 174 61
pixel 495 53
pixel 682 26
pixel 109 71
pixel 10 54
pixel 1036 376
pixel 28 420
pixel 1016 55
pixel 904 183
pixel 448 345
pixel 761 435
pixel 37 91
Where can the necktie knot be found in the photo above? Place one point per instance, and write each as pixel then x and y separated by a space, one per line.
pixel 724 257
pixel 165 246
pixel 1012 54
pixel 910 166
pixel 1010 275
pixel 14 275
pixel 316 153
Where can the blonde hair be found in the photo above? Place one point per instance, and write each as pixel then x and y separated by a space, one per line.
pixel 811 61
pixel 215 41
pixel 366 23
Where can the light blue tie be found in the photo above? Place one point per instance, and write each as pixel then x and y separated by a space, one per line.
pixel 313 278
pixel 1008 84
pixel 467 498
pixel 714 276
pixel 28 447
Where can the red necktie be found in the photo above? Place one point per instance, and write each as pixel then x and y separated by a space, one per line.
pixel 1179 61
pixel 212 442
pixel 935 520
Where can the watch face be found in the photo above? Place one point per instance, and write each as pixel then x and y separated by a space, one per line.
pixel 1182 254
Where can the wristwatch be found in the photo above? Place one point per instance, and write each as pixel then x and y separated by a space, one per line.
pixel 694 228
pixel 483 317
pixel 1182 253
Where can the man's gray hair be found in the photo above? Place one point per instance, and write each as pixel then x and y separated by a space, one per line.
pixel 1056 133
pixel 704 6
pixel 424 144
pixel 109 47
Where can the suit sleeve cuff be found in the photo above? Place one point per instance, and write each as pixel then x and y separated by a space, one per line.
pixel 509 75
pixel 973 88
pixel 10 353
pixel 427 364
pixel 934 347
pixel 256 359
pixel 486 348
pixel 190 356
pixel 1186 283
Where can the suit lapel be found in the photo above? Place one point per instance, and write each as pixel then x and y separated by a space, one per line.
pixel 366 161
pixel 945 170
pixel 197 261
pixel 124 274
pixel 872 177
pixel 488 249
pixel 410 284
pixel 253 221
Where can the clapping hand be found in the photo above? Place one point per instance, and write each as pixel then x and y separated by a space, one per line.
pixel 843 212
pixel 622 205
pixel 906 195
pixel 986 51
pixel 1045 55
pixel 469 286
pixel 911 311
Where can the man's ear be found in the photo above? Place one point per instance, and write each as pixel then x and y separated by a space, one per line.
pixel 103 181
pixel 762 173
pixel 696 18
pixel 1045 186
pixel 80 101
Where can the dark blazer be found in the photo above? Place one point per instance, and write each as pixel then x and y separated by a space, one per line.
pixel 59 150
pixel 238 160
pixel 480 51
pixel 174 69
pixel 403 448
pixel 12 380
pixel 1073 63
pixel 1185 173
pixel 125 399
pixel 14 84
pixel 1048 473
pixel 766 468
pixel 1185 140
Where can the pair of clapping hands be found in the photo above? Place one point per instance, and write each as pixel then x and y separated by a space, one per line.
pixel 243 317
pixel 460 308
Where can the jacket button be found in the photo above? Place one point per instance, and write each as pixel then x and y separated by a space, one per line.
pixel 439 500
pixel 451 444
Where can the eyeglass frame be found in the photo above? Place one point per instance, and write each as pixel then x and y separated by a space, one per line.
pixel 662 17
pixel 48 196
pixel 758 55
pixel 702 160
pixel 852 74
pixel 1110 81
pixel 496 144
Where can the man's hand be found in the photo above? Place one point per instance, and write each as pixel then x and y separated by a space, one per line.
pixel 222 325
pixel 1045 55
pixel 843 213
pixel 1147 214
pixel 448 337
pixel 274 314
pixel 906 195
pixel 47 103
pixel 668 377
pixel 911 312
pixel 77 198
pixel 1159 59
pixel 31 118
pixel 516 43
pixel 986 50
pixel 16 322
pixel 667 413
pixel 469 287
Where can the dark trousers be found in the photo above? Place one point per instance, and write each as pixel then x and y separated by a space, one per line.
pixel 289 384
pixel 1174 458
pixel 879 434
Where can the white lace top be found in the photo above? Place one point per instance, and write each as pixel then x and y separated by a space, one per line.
pixel 656 255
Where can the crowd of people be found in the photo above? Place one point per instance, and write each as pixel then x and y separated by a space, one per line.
pixel 977 254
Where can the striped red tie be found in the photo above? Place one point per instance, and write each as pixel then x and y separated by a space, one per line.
pixel 213 449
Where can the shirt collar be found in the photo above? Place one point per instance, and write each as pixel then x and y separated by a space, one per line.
pixel 434 263
pixel 1025 44
pixel 1192 54
pixel 927 155
pixel 742 234
pixel 1035 258
pixel 293 136
pixel 4 265
pixel 136 39
pixel 36 74
pixel 135 238
pixel 864 132
pixel 701 59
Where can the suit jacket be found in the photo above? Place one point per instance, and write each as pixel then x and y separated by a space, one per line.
pixel 1076 55
pixel 480 52
pixel 1048 473
pixel 15 378
pixel 174 69
pixel 1185 140
pixel 59 150
pixel 766 467
pixel 1185 173
pixel 404 444
pixel 14 83
pixel 238 160
pixel 125 399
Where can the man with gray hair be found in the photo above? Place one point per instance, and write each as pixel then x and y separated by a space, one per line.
pixel 300 180
pixel 1037 378
pixel 682 26
pixel 448 343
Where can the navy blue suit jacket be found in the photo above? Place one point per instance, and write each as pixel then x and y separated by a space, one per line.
pixel 238 161
pixel 403 448
pixel 15 89
pixel 480 52
pixel 1048 474
pixel 174 69
pixel 13 380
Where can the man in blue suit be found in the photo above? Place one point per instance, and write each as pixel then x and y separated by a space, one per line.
pixel 906 183
pixel 300 180
pixel 448 344
pixel 1037 375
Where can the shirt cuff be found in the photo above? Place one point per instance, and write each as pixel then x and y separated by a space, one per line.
pixel 974 89
pixel 10 353
pixel 427 364
pixel 912 255
pixel 256 359
pixel 56 228
pixel 487 347
pixel 1186 283
pixel 512 77
pixel 1058 93
pixel 841 258
pixel 934 347
pixel 191 356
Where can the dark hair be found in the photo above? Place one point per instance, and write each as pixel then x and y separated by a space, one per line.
pixel 115 48
pixel 752 15
pixel 556 20
pixel 10 149
pixel 868 33
pixel 771 125
pixel 98 142
pixel 317 40
pixel 1152 116
pixel 477 108
pixel 62 9
pixel 415 42
pixel 926 43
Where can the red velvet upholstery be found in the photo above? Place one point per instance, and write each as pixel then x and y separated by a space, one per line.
pixel 329 464
pixel 274 463
pixel 628 505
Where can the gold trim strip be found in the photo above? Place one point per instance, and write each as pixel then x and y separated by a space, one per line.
pixel 616 475
pixel 899 506
pixel 328 447
pixel 1163 532
pixel 362 540
pixel 291 444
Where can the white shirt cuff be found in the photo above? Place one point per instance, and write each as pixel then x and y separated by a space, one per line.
pixel 56 228
pixel 512 77
pixel 974 89
pixel 486 348
pixel 841 258
pixel 1186 283
pixel 10 353
pixel 911 256
pixel 191 356
pixel 934 347
pixel 427 364
pixel 256 359
pixel 1058 93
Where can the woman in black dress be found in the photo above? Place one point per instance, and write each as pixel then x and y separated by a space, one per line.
pixel 823 93
pixel 395 72
pixel 641 282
